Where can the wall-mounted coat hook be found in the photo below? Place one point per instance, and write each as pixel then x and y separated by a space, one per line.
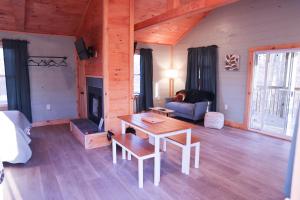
pixel 47 61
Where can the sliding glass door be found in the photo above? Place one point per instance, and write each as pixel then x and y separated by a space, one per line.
pixel 275 91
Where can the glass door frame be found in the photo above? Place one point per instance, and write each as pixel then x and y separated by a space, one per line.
pixel 251 63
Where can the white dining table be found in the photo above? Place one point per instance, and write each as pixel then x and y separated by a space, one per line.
pixel 165 128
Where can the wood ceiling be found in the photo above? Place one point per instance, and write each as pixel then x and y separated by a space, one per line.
pixel 60 17
pixel 156 21
pixel 167 21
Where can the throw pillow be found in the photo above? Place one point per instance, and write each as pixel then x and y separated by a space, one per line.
pixel 180 96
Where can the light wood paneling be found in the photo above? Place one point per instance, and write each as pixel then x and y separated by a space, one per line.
pixel 168 32
pixel 194 7
pixel 81 89
pixel 144 10
pixel 8 16
pixel 117 58
pixel 170 26
pixel 35 16
pixel 91 30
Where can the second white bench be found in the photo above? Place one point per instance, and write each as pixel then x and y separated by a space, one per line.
pixel 139 148
pixel 180 140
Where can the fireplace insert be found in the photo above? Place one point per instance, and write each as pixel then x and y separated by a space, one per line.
pixel 95 100
pixel 95 104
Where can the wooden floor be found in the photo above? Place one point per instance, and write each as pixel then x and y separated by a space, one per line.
pixel 235 165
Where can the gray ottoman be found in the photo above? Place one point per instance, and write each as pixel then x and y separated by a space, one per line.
pixel 214 120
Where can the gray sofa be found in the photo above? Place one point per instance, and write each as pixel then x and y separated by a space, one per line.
pixel 194 107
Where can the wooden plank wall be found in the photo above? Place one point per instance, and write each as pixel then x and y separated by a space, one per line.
pixel 91 30
pixel 117 58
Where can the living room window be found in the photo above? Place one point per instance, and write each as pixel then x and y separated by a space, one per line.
pixel 3 93
pixel 136 75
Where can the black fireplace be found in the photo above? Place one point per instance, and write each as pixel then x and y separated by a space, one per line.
pixel 95 99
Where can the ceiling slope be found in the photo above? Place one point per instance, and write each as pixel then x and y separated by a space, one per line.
pixel 174 19
pixel 59 17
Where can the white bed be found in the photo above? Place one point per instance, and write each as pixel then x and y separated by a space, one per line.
pixel 14 137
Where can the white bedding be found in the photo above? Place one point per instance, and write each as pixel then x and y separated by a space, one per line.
pixel 14 139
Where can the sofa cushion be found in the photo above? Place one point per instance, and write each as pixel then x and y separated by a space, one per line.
pixel 181 107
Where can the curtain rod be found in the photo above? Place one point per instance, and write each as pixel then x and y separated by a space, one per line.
pixel 13 39
pixel 143 48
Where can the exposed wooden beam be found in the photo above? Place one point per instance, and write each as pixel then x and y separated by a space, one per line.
pixel 193 7
pixel 19 10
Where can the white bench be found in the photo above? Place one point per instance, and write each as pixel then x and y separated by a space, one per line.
pixel 135 146
pixel 180 140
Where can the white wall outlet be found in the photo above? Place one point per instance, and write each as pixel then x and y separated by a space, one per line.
pixel 226 107
pixel 48 107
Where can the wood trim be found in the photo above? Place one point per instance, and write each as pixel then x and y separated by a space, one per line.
pixel 105 61
pixel 295 45
pixel 234 124
pixel 193 7
pixel 78 106
pixel 250 73
pixel 131 56
pixel 81 88
pixel 249 89
pixel 50 122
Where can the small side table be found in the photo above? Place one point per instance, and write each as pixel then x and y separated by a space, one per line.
pixel 162 111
